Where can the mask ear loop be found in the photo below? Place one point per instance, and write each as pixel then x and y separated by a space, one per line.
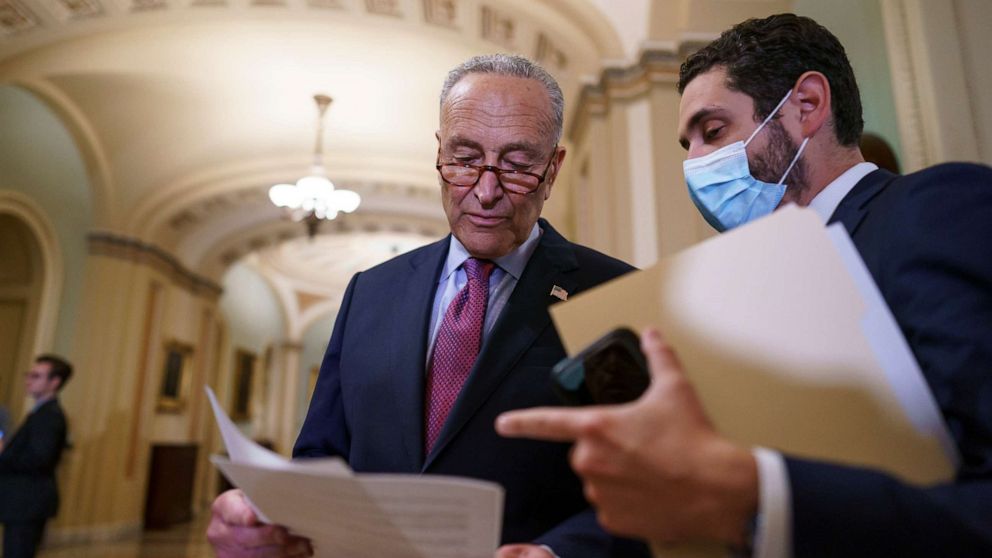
pixel 794 161
pixel 769 117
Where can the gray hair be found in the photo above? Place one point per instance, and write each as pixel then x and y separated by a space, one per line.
pixel 515 66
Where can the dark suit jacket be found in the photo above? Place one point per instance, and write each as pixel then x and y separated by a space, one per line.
pixel 368 405
pixel 926 238
pixel 27 466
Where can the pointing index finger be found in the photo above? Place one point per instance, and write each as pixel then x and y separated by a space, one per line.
pixel 662 359
pixel 545 423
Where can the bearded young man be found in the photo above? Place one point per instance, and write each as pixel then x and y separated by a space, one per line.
pixel 771 114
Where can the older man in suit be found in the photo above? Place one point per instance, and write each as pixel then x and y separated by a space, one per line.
pixel 770 114
pixel 429 347
pixel 28 492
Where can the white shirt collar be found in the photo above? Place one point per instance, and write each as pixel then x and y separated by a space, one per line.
pixel 826 202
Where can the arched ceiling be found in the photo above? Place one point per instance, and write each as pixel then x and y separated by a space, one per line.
pixel 186 111
pixel 304 261
pixel 309 276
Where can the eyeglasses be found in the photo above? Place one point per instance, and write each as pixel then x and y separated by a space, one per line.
pixel 516 181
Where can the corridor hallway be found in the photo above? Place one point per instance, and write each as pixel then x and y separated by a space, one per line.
pixel 139 140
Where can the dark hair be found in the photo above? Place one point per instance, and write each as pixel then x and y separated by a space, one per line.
pixel 764 58
pixel 58 367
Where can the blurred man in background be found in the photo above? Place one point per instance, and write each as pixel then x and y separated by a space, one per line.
pixel 28 491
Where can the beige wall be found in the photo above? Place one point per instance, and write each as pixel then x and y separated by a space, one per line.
pixel 131 307
pixel 974 20
pixel 40 163
pixel 940 75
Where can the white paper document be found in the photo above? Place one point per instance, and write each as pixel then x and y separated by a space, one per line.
pixel 788 342
pixel 349 515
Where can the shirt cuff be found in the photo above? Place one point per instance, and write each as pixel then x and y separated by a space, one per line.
pixel 773 531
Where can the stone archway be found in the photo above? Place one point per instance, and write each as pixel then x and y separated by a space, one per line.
pixel 28 292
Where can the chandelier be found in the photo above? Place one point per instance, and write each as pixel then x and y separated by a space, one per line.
pixel 314 198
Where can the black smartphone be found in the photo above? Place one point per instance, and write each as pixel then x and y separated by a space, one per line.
pixel 611 370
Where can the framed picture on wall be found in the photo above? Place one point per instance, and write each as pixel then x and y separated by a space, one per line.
pixel 244 374
pixel 173 389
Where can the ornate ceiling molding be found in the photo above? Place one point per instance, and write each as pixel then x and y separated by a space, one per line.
pixel 251 179
pixel 309 276
pixel 243 220
pixel 441 12
pixel 133 250
pixel 16 18
pixel 190 217
pixel 268 235
pixel 30 23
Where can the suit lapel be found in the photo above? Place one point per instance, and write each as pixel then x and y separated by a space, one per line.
pixel 856 204
pixel 408 348
pixel 523 319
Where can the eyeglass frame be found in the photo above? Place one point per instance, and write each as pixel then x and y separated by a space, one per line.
pixel 481 169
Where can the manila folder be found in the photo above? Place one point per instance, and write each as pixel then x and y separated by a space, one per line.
pixel 787 341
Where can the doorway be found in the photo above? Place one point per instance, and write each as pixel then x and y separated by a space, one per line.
pixel 21 281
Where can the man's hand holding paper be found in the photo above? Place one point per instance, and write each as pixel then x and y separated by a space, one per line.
pixel 236 531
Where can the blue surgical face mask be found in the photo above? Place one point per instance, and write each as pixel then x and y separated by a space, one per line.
pixel 723 189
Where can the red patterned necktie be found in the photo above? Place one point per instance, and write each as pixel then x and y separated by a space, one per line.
pixel 456 347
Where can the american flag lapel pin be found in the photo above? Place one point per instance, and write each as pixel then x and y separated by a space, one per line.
pixel 559 293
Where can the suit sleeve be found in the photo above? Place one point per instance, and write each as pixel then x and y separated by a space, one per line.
pixel 581 535
pixel 325 430
pixel 845 511
pixel 937 279
pixel 38 447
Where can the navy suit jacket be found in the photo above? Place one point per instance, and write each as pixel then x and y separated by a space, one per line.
pixel 368 404
pixel 28 491
pixel 926 238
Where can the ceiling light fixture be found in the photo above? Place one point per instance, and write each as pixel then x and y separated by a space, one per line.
pixel 314 198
